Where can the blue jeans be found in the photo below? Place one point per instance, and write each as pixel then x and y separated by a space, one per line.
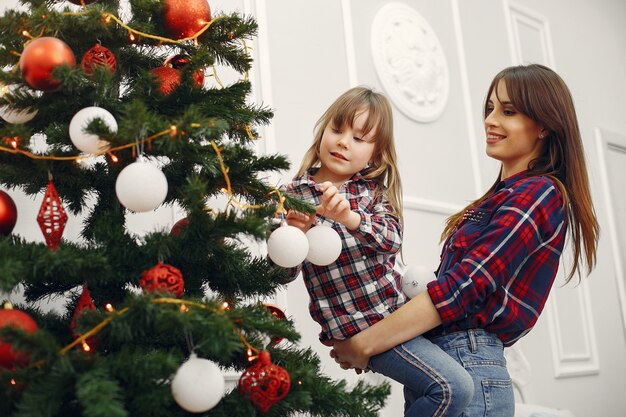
pixel 482 354
pixel 434 384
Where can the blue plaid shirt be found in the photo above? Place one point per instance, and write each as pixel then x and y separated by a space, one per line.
pixel 361 287
pixel 498 267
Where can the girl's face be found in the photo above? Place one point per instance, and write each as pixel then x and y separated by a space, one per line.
pixel 512 137
pixel 345 150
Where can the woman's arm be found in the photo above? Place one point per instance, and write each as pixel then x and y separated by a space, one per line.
pixel 412 319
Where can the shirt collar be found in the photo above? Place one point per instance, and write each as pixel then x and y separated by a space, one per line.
pixel 307 177
pixel 512 179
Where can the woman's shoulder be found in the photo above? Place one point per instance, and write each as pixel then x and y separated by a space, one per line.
pixel 537 189
pixel 536 183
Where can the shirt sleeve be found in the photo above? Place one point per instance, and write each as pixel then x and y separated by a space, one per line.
pixel 379 228
pixel 526 221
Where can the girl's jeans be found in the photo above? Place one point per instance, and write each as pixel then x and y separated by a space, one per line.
pixel 434 384
pixel 481 353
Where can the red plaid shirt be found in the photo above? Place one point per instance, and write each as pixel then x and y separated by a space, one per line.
pixel 498 267
pixel 361 287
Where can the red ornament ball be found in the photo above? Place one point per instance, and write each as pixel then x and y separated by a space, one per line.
pixel 184 18
pixel 8 214
pixel 179 61
pixel 279 315
pixel 97 56
pixel 264 383
pixel 163 278
pixel 18 320
pixel 179 226
pixel 40 58
pixel 168 79
pixel 82 2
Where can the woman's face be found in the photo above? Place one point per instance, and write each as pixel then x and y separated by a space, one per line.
pixel 512 137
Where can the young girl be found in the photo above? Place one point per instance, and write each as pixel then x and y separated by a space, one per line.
pixel 501 253
pixel 350 173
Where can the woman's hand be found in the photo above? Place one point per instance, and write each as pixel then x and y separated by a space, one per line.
pixel 348 354
pixel 335 206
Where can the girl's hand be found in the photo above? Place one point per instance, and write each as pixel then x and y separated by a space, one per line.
pixel 302 221
pixel 335 206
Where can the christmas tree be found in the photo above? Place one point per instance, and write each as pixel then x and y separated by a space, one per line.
pixel 108 113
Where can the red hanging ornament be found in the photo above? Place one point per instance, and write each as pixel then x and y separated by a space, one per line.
pixel 82 2
pixel 264 383
pixel 85 302
pixel 168 79
pixel 52 217
pixel 98 55
pixel 163 278
pixel 184 18
pixel 18 320
pixel 40 57
pixel 279 315
pixel 179 226
pixel 168 76
pixel 8 214
pixel 179 61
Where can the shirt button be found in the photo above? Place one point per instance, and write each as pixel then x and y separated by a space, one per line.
pixel 364 257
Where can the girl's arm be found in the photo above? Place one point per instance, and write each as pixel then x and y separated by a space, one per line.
pixel 379 230
pixel 412 319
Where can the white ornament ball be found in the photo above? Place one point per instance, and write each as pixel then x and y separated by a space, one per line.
pixel 287 246
pixel 15 116
pixel 141 186
pixel 87 142
pixel 415 279
pixel 198 385
pixel 324 245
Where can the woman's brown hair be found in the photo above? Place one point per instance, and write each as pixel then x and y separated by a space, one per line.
pixel 542 95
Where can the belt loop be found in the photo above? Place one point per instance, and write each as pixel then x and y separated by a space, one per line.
pixel 472 339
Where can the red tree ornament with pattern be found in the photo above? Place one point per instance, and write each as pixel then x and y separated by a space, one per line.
pixel 98 56
pixel 52 217
pixel 264 383
pixel 163 278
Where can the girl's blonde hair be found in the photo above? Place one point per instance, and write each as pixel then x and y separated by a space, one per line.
pixel 539 93
pixel 383 167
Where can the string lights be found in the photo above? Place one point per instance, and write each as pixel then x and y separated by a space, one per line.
pixel 184 305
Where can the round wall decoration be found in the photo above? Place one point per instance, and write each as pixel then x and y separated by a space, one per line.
pixel 410 62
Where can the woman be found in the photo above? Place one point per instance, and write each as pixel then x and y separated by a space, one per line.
pixel 502 252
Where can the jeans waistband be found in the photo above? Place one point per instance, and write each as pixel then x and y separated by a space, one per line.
pixel 471 337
